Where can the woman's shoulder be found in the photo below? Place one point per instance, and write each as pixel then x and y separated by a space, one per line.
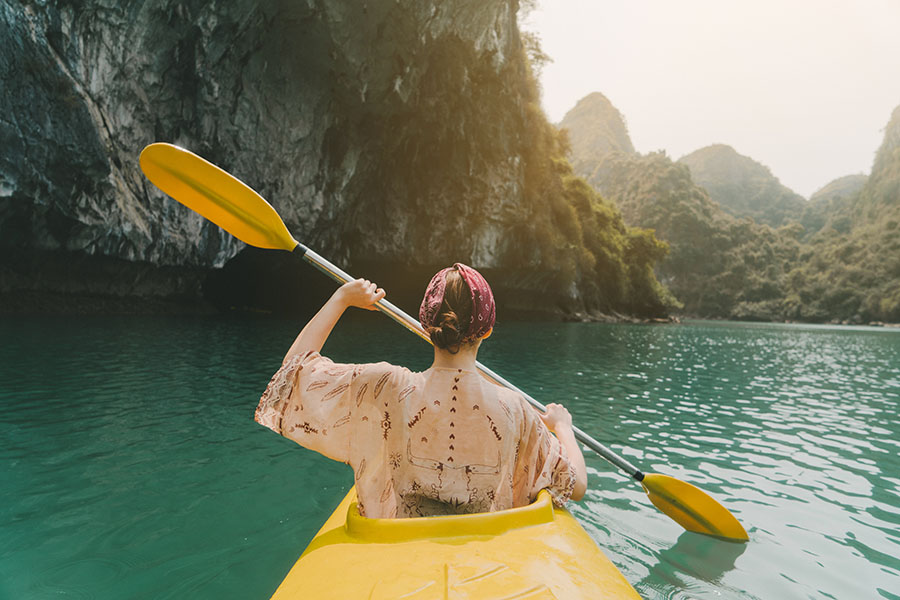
pixel 383 371
pixel 313 361
pixel 514 403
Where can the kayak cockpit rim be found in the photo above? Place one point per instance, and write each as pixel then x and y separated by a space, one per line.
pixel 476 524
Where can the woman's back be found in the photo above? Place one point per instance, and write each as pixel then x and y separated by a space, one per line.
pixel 438 442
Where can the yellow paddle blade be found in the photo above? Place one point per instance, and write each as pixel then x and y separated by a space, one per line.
pixel 692 508
pixel 220 197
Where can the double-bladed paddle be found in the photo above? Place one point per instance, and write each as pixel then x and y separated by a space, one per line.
pixel 236 208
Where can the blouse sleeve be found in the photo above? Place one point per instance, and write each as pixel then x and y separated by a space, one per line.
pixel 309 401
pixel 542 462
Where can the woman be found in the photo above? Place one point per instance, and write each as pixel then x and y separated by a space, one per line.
pixel 443 441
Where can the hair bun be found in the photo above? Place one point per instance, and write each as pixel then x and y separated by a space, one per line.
pixel 448 333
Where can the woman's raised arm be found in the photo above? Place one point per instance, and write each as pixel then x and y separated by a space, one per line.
pixel 361 293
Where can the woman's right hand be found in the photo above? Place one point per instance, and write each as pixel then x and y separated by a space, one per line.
pixel 559 421
pixel 557 415
pixel 361 293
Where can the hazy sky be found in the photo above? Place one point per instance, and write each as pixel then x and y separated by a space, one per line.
pixel 803 86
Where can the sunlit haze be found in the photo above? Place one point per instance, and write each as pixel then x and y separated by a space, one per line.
pixel 804 87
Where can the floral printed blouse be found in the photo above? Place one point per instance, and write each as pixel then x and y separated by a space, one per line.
pixel 444 441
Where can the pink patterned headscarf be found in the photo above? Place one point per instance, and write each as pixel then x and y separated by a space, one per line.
pixel 483 310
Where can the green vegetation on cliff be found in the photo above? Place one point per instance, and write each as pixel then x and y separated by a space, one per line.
pixel 851 268
pixel 576 238
pixel 830 204
pixel 718 266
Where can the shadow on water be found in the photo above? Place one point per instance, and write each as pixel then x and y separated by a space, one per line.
pixel 699 557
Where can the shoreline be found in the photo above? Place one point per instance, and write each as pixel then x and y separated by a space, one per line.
pixel 831 323
pixel 260 283
pixel 39 303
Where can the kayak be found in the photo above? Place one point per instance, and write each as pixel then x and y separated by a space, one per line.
pixel 533 552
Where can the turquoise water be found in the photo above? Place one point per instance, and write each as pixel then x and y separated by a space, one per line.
pixel 130 465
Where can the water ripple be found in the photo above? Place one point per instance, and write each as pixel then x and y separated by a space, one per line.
pixel 794 429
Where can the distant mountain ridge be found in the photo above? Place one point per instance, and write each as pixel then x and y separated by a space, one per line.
pixel 709 268
pixel 742 186
pixel 842 187
pixel 833 258
pixel 718 265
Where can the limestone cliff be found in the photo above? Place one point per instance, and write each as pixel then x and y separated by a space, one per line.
pixel 307 102
pixel 595 128
pixel 394 137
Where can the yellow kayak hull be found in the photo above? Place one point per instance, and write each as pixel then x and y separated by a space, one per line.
pixel 529 553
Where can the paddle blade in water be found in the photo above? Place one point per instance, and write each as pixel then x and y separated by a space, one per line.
pixel 220 197
pixel 692 508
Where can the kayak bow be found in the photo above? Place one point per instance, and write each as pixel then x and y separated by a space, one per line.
pixel 533 552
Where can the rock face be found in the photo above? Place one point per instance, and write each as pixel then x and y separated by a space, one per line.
pixel 384 132
pixel 742 186
pixel 307 102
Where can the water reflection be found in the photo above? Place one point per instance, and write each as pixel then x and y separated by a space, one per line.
pixel 698 557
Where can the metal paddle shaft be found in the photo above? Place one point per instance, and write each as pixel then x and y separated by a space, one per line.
pixel 414 326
